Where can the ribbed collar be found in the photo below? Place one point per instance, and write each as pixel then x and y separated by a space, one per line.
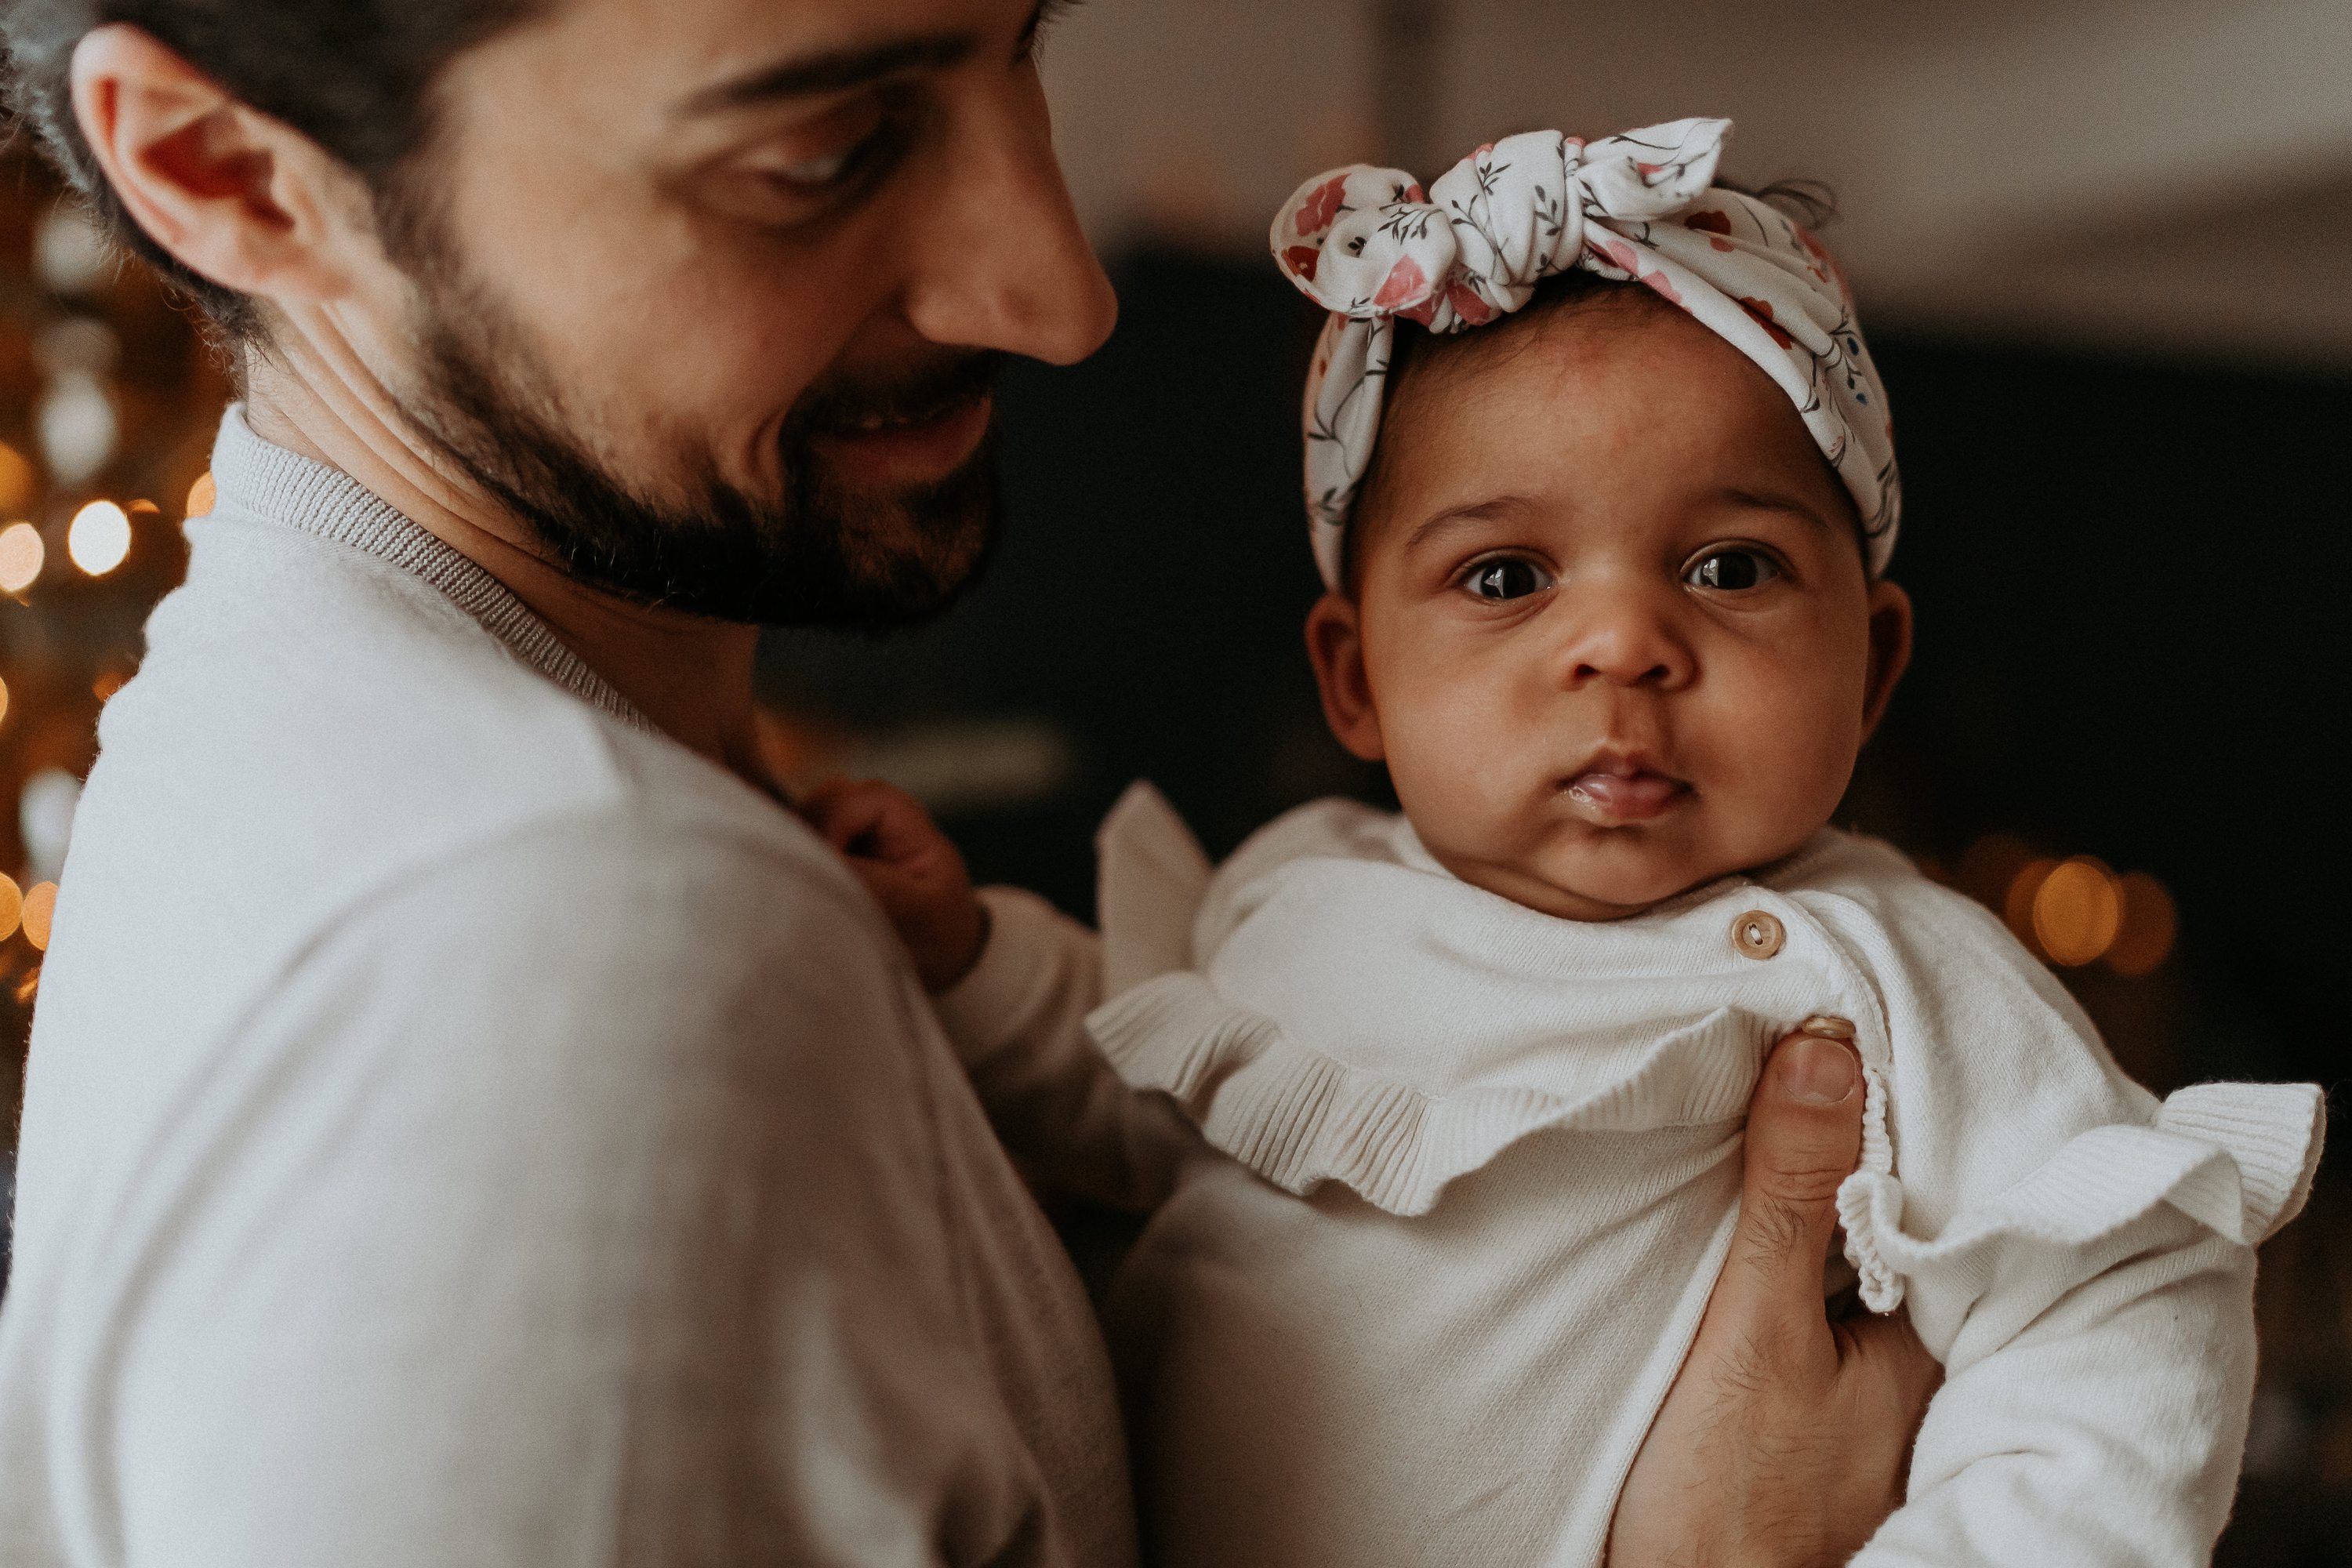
pixel 275 485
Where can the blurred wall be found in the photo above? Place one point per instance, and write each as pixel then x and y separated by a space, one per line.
pixel 2143 175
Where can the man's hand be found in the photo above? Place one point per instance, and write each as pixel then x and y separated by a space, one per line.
pixel 1787 1438
pixel 913 870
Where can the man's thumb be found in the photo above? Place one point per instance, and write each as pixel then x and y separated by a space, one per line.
pixel 1804 1135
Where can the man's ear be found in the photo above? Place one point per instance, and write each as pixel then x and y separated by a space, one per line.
pixel 236 196
pixel 1335 646
pixel 1890 650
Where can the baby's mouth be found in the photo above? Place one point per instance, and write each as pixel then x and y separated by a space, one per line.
pixel 1612 790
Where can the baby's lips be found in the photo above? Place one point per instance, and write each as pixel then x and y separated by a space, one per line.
pixel 1626 797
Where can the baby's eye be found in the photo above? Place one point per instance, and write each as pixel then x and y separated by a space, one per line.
pixel 1732 569
pixel 1508 578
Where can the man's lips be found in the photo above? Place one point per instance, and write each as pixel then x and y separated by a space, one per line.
pixel 921 450
pixel 1612 790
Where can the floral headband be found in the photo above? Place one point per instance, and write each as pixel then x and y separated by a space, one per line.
pixel 1369 247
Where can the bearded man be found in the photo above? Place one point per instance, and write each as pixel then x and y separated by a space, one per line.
pixel 471 1118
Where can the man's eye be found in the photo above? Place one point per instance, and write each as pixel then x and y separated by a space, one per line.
pixel 1509 578
pixel 815 176
pixel 1732 569
pixel 825 171
pixel 861 142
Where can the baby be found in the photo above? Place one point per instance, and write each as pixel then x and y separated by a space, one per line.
pixel 1605 534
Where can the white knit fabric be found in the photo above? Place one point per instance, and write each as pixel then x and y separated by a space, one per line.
pixel 1478 1168
pixel 465 1129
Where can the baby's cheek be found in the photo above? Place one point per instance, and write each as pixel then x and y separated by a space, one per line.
pixel 1459 766
pixel 1784 766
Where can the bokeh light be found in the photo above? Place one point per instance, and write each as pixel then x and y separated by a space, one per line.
pixel 1988 867
pixel 70 254
pixel 78 428
pixel 99 537
pixel 16 479
pixel 40 907
pixel 2077 910
pixel 21 555
pixel 12 905
pixel 2151 925
pixel 202 496
pixel 2017 904
pixel 3 701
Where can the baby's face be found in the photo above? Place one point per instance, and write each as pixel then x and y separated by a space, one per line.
pixel 1612 634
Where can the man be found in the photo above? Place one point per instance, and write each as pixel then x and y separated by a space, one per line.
pixel 470 1121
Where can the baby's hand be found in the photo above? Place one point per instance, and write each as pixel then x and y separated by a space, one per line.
pixel 913 870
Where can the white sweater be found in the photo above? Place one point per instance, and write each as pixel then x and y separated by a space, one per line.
pixel 1478 1168
pixel 468 1129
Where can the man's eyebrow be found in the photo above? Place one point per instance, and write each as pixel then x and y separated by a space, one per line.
pixel 836 70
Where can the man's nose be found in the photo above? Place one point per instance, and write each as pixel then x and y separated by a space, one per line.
pixel 1001 262
pixel 1623 634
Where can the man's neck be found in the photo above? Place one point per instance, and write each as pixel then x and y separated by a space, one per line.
pixel 692 677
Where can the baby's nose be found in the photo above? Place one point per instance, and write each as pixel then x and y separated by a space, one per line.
pixel 1624 644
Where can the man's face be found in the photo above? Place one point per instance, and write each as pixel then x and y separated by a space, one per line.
pixel 711 293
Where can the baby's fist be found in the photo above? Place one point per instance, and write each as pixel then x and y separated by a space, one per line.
pixel 913 870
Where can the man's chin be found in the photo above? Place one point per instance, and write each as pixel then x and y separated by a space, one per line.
pixel 883 562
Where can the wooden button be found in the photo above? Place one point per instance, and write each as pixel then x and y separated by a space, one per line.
pixel 1757 935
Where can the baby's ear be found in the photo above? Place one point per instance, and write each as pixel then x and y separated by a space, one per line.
pixel 1890 650
pixel 1335 646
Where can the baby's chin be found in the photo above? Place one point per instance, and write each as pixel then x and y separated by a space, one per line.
pixel 1612 881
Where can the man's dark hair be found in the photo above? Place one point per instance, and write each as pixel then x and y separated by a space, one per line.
pixel 355 76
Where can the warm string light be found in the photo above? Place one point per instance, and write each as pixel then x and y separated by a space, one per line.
pixel 22 556
pixel 2151 922
pixel 98 538
pixel 38 909
pixel 17 479
pixel 2078 908
pixel 12 905
pixel 201 497
pixel 2075 912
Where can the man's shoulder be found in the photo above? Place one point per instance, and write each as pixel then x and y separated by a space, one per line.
pixel 309 714
pixel 315 733
pixel 355 684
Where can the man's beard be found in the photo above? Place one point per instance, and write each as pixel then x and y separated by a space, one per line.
pixel 824 556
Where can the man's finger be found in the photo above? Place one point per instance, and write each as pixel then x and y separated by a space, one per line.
pixel 1804 1136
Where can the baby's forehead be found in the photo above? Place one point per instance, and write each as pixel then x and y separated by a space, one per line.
pixel 1608 388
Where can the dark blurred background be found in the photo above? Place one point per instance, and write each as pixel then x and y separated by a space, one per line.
pixel 2102 251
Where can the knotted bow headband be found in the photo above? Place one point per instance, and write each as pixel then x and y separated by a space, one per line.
pixel 1367 246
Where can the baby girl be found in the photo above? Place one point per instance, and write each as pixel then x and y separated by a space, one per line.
pixel 1602 489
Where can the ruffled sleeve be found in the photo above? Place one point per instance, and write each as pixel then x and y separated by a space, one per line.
pixel 1301 1118
pixel 2237 1158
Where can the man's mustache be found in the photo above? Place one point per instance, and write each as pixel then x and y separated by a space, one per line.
pixel 845 406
